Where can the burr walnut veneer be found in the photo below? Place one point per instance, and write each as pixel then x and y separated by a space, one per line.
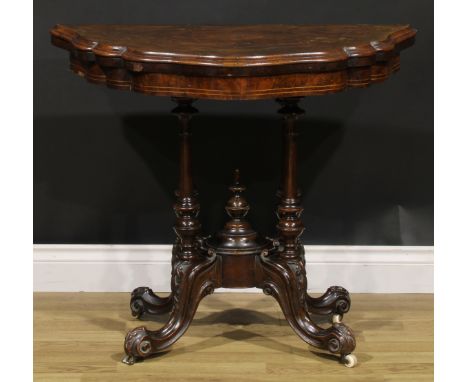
pixel 283 62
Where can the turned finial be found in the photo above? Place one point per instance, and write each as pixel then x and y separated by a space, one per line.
pixel 237 207
pixel 237 237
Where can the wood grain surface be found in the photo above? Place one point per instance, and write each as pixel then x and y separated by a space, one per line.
pixel 78 337
pixel 234 62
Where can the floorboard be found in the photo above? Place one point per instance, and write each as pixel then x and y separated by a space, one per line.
pixel 234 337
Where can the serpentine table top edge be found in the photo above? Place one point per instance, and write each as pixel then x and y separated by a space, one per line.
pixel 234 61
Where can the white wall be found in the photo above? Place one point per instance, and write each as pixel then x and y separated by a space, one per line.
pixel 121 268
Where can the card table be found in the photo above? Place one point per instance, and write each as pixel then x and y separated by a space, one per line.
pixel 237 62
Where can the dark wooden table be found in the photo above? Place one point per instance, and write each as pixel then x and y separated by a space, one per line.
pixel 284 62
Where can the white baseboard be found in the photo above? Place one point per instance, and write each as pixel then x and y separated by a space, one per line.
pixel 121 268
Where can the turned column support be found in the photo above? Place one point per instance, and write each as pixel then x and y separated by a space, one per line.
pixel 289 209
pixel 144 303
pixel 186 208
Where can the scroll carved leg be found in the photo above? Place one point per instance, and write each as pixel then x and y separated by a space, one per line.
pixel 335 301
pixel 285 279
pixel 283 272
pixel 193 280
pixel 144 303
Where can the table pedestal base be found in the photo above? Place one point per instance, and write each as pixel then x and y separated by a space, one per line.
pixel 237 257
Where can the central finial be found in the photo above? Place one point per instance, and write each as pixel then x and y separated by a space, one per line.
pixel 237 237
pixel 237 207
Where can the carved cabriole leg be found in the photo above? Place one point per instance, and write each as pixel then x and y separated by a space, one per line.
pixel 283 272
pixel 193 279
pixel 285 279
pixel 195 273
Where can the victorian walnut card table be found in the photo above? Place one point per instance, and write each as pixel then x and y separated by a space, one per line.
pixel 249 62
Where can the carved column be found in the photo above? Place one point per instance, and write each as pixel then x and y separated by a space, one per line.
pixel 289 210
pixel 144 303
pixel 335 300
pixel 186 208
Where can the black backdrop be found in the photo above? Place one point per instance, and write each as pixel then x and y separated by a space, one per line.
pixel 105 161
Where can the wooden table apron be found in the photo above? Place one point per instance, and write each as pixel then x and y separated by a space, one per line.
pixel 285 62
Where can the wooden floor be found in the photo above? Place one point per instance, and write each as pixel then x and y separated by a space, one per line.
pixel 234 337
